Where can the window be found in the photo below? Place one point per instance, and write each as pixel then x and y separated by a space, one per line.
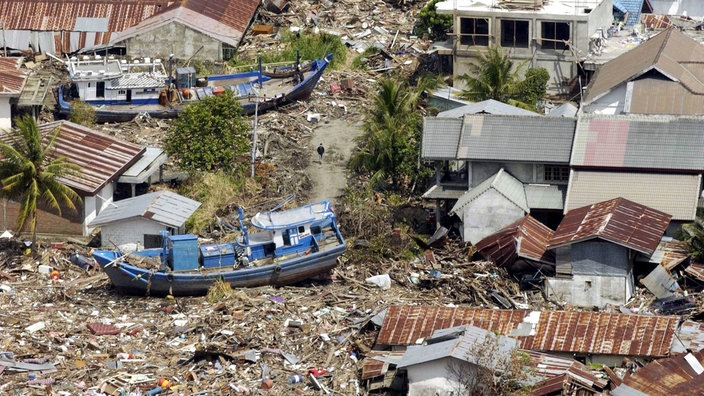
pixel 514 34
pixel 474 31
pixel 152 241
pixel 121 92
pixel 556 173
pixel 301 229
pixel 553 35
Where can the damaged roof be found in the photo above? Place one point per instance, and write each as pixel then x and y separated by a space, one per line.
pixel 680 375
pixel 618 220
pixel 670 57
pixel 101 158
pixel 76 15
pixel 547 331
pixel 526 238
pixel 639 142
pixel 551 372
pixel 225 21
pixel 12 78
pixel 164 207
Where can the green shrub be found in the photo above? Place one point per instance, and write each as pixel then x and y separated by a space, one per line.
pixel 82 113
pixel 430 22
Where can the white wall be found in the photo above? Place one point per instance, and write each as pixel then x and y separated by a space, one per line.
pixel 487 214
pixel 431 378
pixel 5 113
pixel 603 290
pixel 611 103
pixel 95 204
pixel 128 231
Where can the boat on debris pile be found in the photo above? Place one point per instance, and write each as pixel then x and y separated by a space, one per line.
pixel 120 90
pixel 290 246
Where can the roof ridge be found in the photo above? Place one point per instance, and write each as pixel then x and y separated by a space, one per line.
pixel 667 33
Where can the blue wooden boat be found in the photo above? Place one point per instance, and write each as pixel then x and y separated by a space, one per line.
pixel 289 246
pixel 120 90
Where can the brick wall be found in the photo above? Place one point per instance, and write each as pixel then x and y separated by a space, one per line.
pixel 48 221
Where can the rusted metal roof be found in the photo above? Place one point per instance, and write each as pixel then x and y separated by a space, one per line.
pixel 526 238
pixel 690 336
pixel 236 14
pixel 558 373
pixel 70 15
pixel 12 79
pixel 377 363
pixel 101 157
pixel 670 54
pixel 618 220
pixel 548 331
pixel 680 375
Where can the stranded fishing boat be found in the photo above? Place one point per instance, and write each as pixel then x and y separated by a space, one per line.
pixel 290 246
pixel 121 90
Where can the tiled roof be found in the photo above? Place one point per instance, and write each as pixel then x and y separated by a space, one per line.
pixel 633 8
pixel 618 220
pixel 489 106
pixel 101 157
pixel 527 238
pixel 73 15
pixel 164 207
pixel 12 78
pixel 440 138
pixel 504 183
pixel 549 331
pixel 670 54
pixel 674 194
pixel 639 142
pixel 514 138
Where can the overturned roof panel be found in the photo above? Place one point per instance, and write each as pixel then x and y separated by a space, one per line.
pixel 618 220
pixel 527 238
pixel 553 331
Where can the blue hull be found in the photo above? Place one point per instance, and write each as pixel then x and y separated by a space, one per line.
pixel 298 92
pixel 135 280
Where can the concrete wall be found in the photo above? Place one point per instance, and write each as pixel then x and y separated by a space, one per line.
pixel 95 204
pixel 602 273
pixel 5 113
pixel 611 103
pixel 435 378
pixel 487 214
pixel 173 38
pixel 128 231
pixel 559 63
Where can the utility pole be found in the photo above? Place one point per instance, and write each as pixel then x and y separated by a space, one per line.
pixel 254 134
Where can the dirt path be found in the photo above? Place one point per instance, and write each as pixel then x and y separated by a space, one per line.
pixel 329 177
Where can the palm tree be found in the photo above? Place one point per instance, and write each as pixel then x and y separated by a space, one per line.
pixel 30 173
pixel 492 77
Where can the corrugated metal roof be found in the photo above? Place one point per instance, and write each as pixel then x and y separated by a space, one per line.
pixel 504 183
pixel 489 106
pixel 12 79
pixel 136 81
pixel 100 157
pixel 53 15
pixel 462 348
pixel 376 363
pixel 553 331
pixel 618 220
pixel 690 336
pixel 566 109
pixel 147 164
pixel 526 238
pixel 164 207
pixel 440 138
pixel 667 53
pixel 658 96
pixel 235 14
pixel 444 192
pixel 560 370
pixel 670 193
pixel 675 376
pixel 513 138
pixel 639 142
pixel 545 196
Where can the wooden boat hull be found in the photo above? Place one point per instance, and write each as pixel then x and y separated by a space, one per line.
pixel 128 111
pixel 135 280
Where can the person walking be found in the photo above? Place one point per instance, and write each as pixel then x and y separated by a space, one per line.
pixel 321 151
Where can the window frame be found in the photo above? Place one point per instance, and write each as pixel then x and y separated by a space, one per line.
pixel 473 38
pixel 552 43
pixel 512 43
pixel 556 173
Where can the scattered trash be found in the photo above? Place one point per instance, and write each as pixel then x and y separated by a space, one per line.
pixel 382 281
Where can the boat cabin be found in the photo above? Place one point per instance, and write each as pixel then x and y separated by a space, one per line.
pixel 99 80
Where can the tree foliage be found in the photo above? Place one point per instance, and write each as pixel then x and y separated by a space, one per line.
pixel 432 23
pixel 693 234
pixel 495 76
pixel 211 134
pixel 389 146
pixel 82 113
pixel 30 173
